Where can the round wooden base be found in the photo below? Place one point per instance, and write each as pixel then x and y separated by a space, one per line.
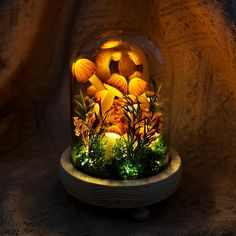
pixel 120 193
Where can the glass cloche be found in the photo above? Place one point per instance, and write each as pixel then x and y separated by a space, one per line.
pixel 116 122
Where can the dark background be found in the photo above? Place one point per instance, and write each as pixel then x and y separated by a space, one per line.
pixel 37 39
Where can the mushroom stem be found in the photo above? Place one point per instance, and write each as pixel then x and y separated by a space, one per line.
pixel 96 82
pixel 114 90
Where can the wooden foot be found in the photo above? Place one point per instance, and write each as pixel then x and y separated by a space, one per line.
pixel 140 214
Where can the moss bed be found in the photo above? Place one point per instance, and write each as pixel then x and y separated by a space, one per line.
pixel 123 163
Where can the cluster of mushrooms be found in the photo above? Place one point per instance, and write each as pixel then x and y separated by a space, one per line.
pixel 117 69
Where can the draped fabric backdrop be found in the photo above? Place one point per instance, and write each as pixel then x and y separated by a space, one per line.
pixel 37 39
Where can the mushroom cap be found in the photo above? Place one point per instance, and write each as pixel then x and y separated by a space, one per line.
pixel 100 95
pixel 137 86
pixel 103 60
pixel 91 90
pixel 136 74
pixel 116 56
pixel 135 58
pixel 119 82
pixel 126 65
pixel 83 69
pixel 110 44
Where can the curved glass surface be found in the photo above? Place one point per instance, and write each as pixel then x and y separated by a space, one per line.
pixel 116 122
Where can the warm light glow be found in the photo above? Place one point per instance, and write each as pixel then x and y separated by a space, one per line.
pixel 100 95
pixel 114 90
pixel 110 139
pixel 96 82
pixel 115 112
pixel 110 44
pixel 143 99
pixel 107 102
pixel 119 82
pixel 73 69
pixel 135 58
pixel 126 65
pixel 103 60
pixel 145 71
pixel 137 86
pixel 136 74
pixel 96 109
pixel 91 90
pixel 116 56
pixel 112 135
pixel 83 69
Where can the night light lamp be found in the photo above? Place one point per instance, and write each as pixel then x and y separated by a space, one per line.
pixel 118 157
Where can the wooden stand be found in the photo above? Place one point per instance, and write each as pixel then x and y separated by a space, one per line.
pixel 136 194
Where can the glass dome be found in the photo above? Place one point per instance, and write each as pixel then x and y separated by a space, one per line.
pixel 116 122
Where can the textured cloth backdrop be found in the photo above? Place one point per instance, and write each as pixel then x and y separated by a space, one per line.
pixel 36 41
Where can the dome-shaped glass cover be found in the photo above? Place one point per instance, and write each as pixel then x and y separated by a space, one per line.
pixel 117 125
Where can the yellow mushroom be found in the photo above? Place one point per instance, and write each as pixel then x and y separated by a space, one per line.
pixel 84 70
pixel 119 82
pixel 126 65
pixel 91 90
pixel 110 44
pixel 110 139
pixel 103 60
pixel 100 95
pixel 137 86
pixel 116 56
pixel 136 74
pixel 135 58
pixel 114 90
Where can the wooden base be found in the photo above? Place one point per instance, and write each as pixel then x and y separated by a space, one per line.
pixel 120 193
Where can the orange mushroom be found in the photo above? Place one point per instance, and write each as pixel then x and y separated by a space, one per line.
pixel 137 86
pixel 84 70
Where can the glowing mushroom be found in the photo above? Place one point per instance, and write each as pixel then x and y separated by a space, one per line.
pixel 91 90
pixel 110 44
pixel 103 60
pixel 116 56
pixel 106 97
pixel 110 139
pixel 84 70
pixel 143 59
pixel 135 58
pixel 119 82
pixel 136 74
pixel 114 90
pixel 96 82
pixel 100 95
pixel 137 86
pixel 126 65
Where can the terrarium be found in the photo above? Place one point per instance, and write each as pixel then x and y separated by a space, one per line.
pixel 118 137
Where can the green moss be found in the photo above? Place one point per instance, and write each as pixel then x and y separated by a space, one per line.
pixel 160 147
pixel 129 169
pixel 90 160
pixel 123 164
